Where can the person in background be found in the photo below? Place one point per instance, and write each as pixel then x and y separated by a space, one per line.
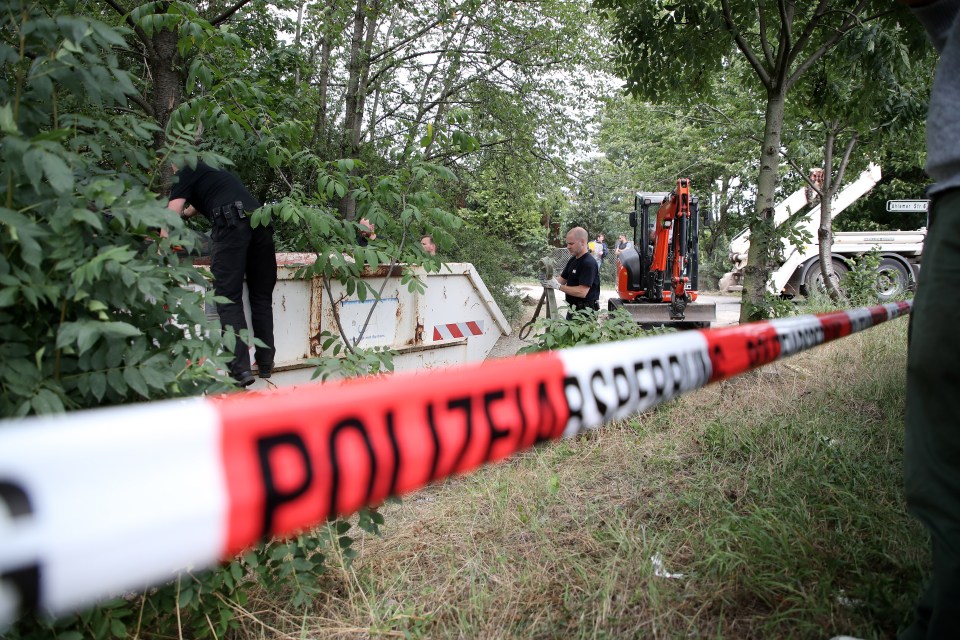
pixel 622 243
pixel 428 245
pixel 239 252
pixel 932 443
pixel 580 279
pixel 367 232
pixel 600 250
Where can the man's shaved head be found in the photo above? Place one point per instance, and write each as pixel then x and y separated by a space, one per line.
pixel 577 239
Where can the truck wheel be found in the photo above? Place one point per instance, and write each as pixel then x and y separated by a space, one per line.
pixel 892 280
pixel 814 278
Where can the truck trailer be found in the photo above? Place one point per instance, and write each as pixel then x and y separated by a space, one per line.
pixel 799 273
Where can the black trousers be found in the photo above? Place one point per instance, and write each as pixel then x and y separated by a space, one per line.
pixel 932 446
pixel 240 251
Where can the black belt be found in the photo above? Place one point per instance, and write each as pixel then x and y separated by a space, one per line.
pixel 583 304
pixel 229 213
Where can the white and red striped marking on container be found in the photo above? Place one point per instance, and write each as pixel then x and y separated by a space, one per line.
pixel 458 330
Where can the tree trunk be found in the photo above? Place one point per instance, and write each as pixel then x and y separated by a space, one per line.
pixel 371 129
pixel 353 100
pixel 829 189
pixel 296 47
pixel 825 231
pixel 167 94
pixel 362 89
pixel 721 215
pixel 358 70
pixel 717 220
pixel 762 232
pixel 320 125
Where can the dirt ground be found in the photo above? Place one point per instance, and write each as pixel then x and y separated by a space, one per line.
pixel 509 345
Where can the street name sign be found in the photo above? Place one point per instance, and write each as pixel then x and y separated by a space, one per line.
pixel 908 206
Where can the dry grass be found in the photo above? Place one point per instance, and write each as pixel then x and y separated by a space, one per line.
pixel 776 495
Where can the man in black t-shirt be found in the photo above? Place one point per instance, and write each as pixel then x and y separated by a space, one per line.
pixel 580 279
pixel 239 250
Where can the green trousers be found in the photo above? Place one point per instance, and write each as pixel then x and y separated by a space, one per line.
pixel 932 445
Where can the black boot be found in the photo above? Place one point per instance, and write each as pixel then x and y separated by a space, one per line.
pixel 243 378
pixel 265 370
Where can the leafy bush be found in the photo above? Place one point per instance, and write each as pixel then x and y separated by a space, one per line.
pixel 531 247
pixel 496 261
pixel 344 361
pixel 585 327
pixel 860 283
pixel 716 263
pixel 772 306
pixel 95 307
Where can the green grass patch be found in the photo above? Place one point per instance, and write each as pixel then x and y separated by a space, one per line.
pixel 774 499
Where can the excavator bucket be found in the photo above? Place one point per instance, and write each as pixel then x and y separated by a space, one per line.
pixel 701 313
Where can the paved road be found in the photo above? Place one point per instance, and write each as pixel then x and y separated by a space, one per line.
pixel 728 308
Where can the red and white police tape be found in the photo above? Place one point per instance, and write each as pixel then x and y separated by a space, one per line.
pixel 103 502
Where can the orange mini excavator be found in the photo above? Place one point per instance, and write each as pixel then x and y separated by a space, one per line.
pixel 657 277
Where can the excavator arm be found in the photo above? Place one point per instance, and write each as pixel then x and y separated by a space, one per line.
pixel 678 282
pixel 670 238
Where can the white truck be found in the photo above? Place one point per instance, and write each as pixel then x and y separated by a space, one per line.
pixel 800 271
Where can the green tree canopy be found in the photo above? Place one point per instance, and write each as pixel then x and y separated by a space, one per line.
pixel 675 50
